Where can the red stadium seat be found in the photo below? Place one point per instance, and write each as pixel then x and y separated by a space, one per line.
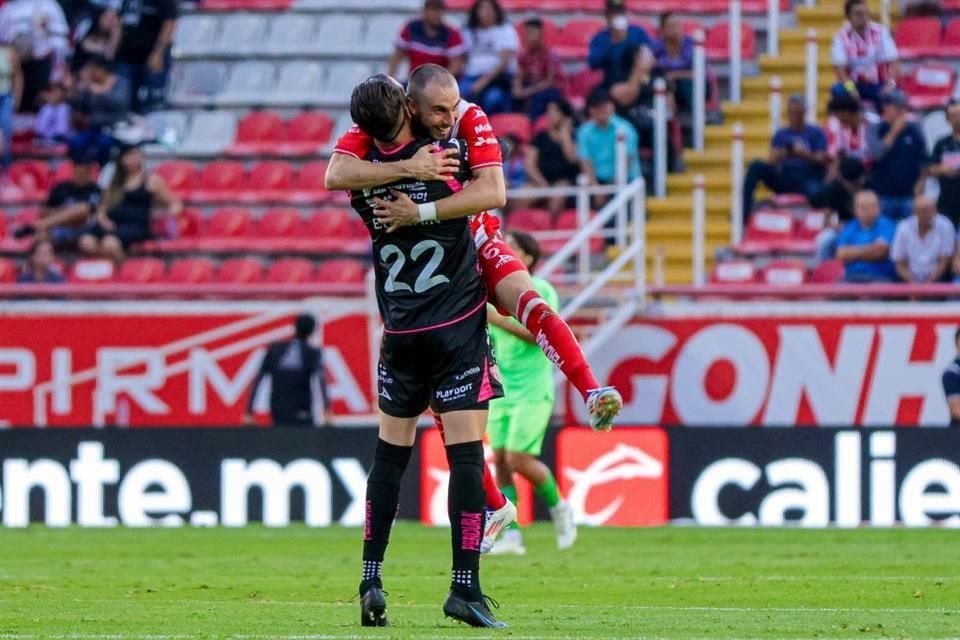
pixel 191 271
pixel 329 223
pixel 230 222
pixel 280 223
pixel 240 271
pixel 929 85
pixel 142 271
pixel 530 220
pixel 581 83
pixel 258 132
pixel 573 40
pixel 767 231
pixel 308 187
pixel 220 181
pixel 785 273
pixel 180 175
pixel 290 271
pixel 30 181
pixel 8 271
pixel 24 217
pixel 809 225
pixel 950 45
pixel 734 272
pixel 92 270
pixel 269 181
pixel 827 272
pixel 567 221
pixel 515 124
pixel 918 38
pixel 341 270
pixel 306 134
pixel 189 223
pixel 718 42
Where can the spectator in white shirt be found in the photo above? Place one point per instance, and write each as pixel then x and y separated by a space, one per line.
pixel 38 31
pixel 492 45
pixel 863 54
pixel 923 244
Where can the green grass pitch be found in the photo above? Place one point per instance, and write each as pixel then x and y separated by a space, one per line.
pixel 297 584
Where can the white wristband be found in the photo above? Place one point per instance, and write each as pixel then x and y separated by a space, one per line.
pixel 428 211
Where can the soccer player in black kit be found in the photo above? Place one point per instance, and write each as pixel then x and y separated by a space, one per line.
pixel 435 353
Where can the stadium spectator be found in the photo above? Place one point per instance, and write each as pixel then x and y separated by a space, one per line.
pixel 619 49
pixel 923 243
pixel 429 39
pixel 797 162
pixel 847 128
pixel 99 101
pixel 552 159
pixel 492 45
pixel 864 243
pixel 837 201
pixel 673 55
pixel 899 153
pixel 597 142
pixel 38 32
pixel 539 72
pixel 293 365
pixel 40 267
pixel 951 384
pixel 945 166
pixel 514 169
pixel 52 124
pixel 11 91
pixel 124 215
pixel 143 55
pixel 863 54
pixel 97 35
pixel 70 206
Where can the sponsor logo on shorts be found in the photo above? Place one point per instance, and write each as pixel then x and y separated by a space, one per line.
pixel 454 393
pixel 466 374
pixel 619 480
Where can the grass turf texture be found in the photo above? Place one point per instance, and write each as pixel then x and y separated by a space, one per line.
pixel 657 583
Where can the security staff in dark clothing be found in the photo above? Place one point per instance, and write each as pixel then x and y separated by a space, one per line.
pixel 292 365
pixel 951 385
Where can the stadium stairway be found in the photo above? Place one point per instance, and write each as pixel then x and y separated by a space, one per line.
pixel 670 220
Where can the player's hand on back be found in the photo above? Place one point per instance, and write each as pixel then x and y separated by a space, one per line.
pixel 396 213
pixel 430 163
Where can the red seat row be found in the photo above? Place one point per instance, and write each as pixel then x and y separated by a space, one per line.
pixel 647 6
pixel 927 38
pixel 229 181
pixel 772 231
pixel 537 221
pixel 266 133
pixel 779 273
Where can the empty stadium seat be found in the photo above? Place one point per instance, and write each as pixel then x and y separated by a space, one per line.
pixel 339 34
pixel 918 38
pixel 573 40
pixel 229 222
pixel 241 34
pixel 291 34
pixel 768 231
pixel 29 181
pixel 191 271
pixel 567 221
pixel 929 85
pixel 257 133
pixel 340 75
pixel 381 34
pixel 306 134
pixel 250 82
pixel 785 273
pixel 280 223
pixel 301 83
pixel 328 223
pixel 581 83
pixel 530 220
pixel 240 271
pixel 8 271
pixel 290 271
pixel 194 35
pixel 142 271
pixel 341 271
pixel 734 272
pixel 950 45
pixel 92 270
pixel 180 175
pixel 219 182
pixel 197 83
pixel 718 42
pixel 308 187
pixel 827 272
pixel 935 127
pixel 210 133
pixel 169 129
pixel 809 225
pixel 269 181
pixel 516 124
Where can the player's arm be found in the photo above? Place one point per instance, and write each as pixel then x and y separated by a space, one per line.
pixel 509 325
pixel 264 371
pixel 347 171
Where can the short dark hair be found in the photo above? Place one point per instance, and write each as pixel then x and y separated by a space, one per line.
pixel 304 326
pixel 533 22
pixel 421 77
pixel 844 102
pixel 473 18
pixel 564 106
pixel 598 96
pixel 376 105
pixel 666 16
pixel 850 4
pixel 952 102
pixel 528 244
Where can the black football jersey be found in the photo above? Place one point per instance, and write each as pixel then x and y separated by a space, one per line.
pixel 426 274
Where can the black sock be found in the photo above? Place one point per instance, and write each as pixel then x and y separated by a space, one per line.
pixel 465 504
pixel 383 498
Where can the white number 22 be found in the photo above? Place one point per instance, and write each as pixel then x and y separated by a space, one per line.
pixel 426 280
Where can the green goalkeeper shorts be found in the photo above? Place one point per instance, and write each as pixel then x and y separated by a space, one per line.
pixel 519 427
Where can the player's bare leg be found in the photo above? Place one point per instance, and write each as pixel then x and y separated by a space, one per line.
pixel 394 446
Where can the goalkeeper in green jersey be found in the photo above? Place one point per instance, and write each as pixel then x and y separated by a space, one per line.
pixel 518 422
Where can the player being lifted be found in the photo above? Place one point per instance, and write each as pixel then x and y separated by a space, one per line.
pixel 439 113
pixel 435 352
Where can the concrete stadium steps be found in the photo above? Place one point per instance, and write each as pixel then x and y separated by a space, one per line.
pixel 679 208
pixel 719 157
pixel 788 63
pixel 723 136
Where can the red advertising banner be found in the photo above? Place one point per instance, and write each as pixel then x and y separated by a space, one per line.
pixel 825 368
pixel 164 364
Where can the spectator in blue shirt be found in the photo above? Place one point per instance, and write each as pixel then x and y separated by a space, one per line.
pixel 899 153
pixel 864 244
pixel 597 141
pixel 40 269
pixel 622 52
pixel 798 159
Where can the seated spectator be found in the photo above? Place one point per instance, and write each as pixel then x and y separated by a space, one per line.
pixel 40 268
pixel 945 166
pixel 97 35
pixel 143 55
pixel 70 206
pixel 513 167
pixel 552 155
pixel 864 244
pixel 921 8
pixel 797 162
pixel 837 201
pixel 597 142
pixel 11 90
pixel 429 39
pixel 38 32
pixel 53 120
pixel 673 56
pixel 898 151
pixel 846 129
pixel 492 46
pixel 539 72
pixel 124 215
pixel 923 244
pixel 863 54
pixel 99 101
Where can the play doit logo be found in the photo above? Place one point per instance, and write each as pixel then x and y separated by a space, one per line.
pixel 617 478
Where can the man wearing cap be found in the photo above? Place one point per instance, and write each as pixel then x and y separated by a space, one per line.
pixel 898 150
pixel 429 40
pixel 70 205
pixel 293 365
pixel 622 52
